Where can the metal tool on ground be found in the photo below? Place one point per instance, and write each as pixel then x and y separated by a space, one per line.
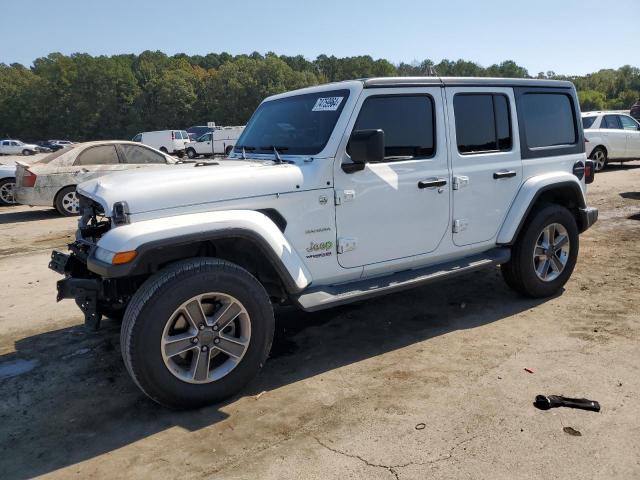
pixel 545 402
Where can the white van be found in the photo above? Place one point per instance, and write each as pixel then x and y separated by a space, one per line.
pixel 223 138
pixel 167 141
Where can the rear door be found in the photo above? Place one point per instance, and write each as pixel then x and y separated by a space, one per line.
pixel 135 156
pixel 486 163
pixel 96 161
pixel 632 129
pixel 616 137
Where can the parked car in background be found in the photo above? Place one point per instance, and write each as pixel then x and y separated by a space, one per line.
pixel 7 184
pixel 17 147
pixel 635 110
pixel 219 141
pixel 197 131
pixel 167 141
pixel 52 181
pixel 610 136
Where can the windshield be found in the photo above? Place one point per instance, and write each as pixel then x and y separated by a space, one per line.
pixel 297 125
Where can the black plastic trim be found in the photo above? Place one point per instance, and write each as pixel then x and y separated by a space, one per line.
pixel 142 264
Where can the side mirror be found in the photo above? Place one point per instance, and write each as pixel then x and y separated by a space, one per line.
pixel 364 146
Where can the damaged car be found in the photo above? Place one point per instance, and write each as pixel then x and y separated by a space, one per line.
pixel 52 181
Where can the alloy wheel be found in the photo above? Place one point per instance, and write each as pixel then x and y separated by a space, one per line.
pixel 205 338
pixel 551 252
pixel 71 203
pixel 7 193
pixel 599 159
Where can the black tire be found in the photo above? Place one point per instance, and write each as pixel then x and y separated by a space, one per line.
pixel 191 153
pixel 520 272
pixel 7 191
pixel 600 158
pixel 164 150
pixel 228 150
pixel 62 205
pixel 153 305
pixel 26 152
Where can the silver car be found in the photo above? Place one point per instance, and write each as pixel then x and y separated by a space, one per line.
pixel 7 184
pixel 52 181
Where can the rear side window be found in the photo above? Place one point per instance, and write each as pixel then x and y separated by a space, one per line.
pixel 483 123
pixel 100 155
pixel 137 138
pixel 136 154
pixel 548 120
pixel 177 135
pixel 407 122
pixel 611 122
pixel 587 122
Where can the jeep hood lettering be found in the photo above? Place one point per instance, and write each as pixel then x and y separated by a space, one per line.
pixel 154 189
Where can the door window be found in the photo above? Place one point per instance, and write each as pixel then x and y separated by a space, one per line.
pixel 407 122
pixel 628 123
pixel 100 155
pixel 587 122
pixel 136 154
pixel 137 138
pixel 548 120
pixel 611 122
pixel 205 138
pixel 483 123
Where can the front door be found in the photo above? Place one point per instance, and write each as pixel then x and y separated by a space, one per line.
pixel 397 208
pixel 486 164
pixel 633 136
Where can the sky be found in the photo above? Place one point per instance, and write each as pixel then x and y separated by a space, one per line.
pixel 570 37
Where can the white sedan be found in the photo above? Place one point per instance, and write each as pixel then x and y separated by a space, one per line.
pixel 610 136
pixel 16 147
pixel 52 181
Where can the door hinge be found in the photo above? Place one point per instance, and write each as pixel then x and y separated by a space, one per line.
pixel 346 244
pixel 460 181
pixel 460 225
pixel 344 196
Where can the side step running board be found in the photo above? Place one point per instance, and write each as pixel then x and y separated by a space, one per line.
pixel 327 296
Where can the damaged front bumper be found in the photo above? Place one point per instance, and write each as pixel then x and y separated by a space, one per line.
pixel 84 289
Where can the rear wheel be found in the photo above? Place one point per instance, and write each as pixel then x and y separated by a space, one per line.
pixel 7 191
pixel 191 153
pixel 228 150
pixel 197 332
pixel 164 150
pixel 67 202
pixel 26 152
pixel 544 254
pixel 599 157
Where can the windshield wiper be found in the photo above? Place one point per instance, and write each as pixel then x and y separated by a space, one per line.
pixel 276 153
pixel 244 149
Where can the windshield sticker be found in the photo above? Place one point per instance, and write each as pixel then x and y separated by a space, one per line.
pixel 327 104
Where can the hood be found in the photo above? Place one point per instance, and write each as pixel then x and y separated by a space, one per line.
pixel 157 189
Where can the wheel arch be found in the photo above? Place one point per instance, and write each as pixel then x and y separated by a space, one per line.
pixel 565 190
pixel 251 240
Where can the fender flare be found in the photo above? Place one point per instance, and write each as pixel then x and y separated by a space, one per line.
pixel 149 237
pixel 527 196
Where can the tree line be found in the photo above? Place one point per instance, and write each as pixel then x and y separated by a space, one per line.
pixel 83 97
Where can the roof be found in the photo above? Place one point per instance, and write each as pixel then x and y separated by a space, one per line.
pixel 462 81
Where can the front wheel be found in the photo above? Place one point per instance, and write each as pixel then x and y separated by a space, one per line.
pixel 26 152
pixel 544 254
pixel 197 332
pixel 191 153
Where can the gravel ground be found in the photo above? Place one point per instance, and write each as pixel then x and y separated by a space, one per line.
pixel 430 383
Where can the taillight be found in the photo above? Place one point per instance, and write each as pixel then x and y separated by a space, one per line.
pixel 28 179
pixel 589 172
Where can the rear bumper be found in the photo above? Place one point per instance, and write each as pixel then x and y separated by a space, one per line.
pixel 34 196
pixel 588 216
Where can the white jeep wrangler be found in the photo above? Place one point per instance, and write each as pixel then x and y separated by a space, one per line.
pixel 333 194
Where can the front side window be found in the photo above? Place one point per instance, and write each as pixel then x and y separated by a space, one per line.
pixel 100 155
pixel 295 125
pixel 587 122
pixel 483 123
pixel 628 123
pixel 204 138
pixel 548 119
pixel 137 154
pixel 407 122
pixel 611 122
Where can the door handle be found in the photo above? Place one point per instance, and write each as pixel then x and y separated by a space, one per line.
pixel 504 174
pixel 432 183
